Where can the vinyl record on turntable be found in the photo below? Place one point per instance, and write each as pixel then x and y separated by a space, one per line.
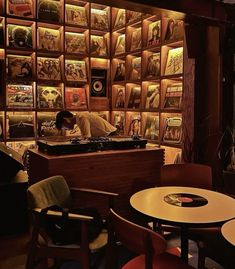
pixel 98 82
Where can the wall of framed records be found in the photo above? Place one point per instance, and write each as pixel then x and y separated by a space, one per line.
pixel 81 55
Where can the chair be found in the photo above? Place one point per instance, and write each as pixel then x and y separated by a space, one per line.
pixel 213 245
pixel 186 175
pixel 149 246
pixel 55 191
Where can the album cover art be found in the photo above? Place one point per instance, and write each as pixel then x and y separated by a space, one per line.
pixel 19 96
pixel 46 124
pixel 153 96
pixel 20 126
pixel 98 82
pixel 20 67
pixel 119 121
pixel 174 64
pixel 154 33
pixel 135 68
pixel 49 10
pixel 1 35
pixel 173 96
pixel 120 97
pixel 75 98
pixel 175 30
pixel 75 15
pixel 120 44
pixel 99 19
pixel 49 68
pixel 49 97
pixel 22 8
pixel 153 65
pixel 120 71
pixel 152 127
pixel 134 99
pixel 19 36
pixel 75 43
pixel 48 39
pixel 120 19
pixel 75 70
pixel 98 45
pixel 132 16
pixel 134 126
pixel 172 130
pixel 1 125
pixel 136 39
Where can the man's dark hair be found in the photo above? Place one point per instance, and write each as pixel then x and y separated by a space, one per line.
pixel 60 118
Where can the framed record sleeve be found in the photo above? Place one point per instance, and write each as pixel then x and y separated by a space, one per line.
pixel 153 65
pixel 75 15
pixel 48 39
pixel 20 125
pixel 99 46
pixel 174 64
pixel 48 68
pixel 19 67
pixel 75 43
pixel 120 19
pixel 46 124
pixel 172 130
pixel 75 70
pixel 75 98
pixel 98 82
pixel 19 96
pixel 19 36
pixel 21 8
pixel 152 127
pixel 154 33
pixel 99 19
pixel 50 97
pixel 49 10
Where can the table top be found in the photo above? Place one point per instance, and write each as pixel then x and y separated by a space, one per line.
pixel 228 231
pixel 154 202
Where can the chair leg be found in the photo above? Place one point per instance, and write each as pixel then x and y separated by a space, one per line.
pixel 85 262
pixel 201 258
pixel 30 260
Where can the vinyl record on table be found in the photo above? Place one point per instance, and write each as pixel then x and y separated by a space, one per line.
pixel 185 200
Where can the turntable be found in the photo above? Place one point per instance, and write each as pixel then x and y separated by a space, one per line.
pixel 77 145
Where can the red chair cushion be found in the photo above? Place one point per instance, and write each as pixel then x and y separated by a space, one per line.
pixel 162 261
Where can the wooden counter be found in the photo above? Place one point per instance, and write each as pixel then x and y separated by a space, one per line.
pixel 120 171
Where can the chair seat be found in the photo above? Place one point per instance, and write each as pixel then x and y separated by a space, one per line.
pixel 162 261
pixel 99 242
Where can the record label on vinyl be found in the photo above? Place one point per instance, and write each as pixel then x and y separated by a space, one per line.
pixel 185 200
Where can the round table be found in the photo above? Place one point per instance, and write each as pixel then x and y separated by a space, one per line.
pixel 228 231
pixel 153 202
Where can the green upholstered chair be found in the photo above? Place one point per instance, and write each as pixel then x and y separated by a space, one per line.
pixel 55 191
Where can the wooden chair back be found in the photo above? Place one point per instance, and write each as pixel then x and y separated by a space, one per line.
pixel 137 239
pixel 186 175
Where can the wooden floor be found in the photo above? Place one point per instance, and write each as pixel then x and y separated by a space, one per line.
pixel 13 251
